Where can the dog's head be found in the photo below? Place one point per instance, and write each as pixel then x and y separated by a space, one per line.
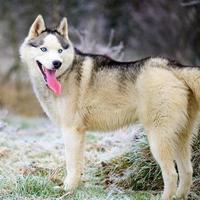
pixel 48 53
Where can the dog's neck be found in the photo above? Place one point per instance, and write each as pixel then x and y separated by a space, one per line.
pixel 76 63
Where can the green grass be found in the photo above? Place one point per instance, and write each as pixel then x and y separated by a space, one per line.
pixel 135 169
pixel 35 187
pixel 33 168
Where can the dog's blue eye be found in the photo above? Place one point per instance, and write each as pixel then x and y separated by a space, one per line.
pixel 60 50
pixel 44 49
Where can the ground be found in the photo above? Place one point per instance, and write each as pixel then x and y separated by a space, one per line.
pixel 32 162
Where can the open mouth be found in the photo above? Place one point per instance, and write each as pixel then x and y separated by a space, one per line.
pixel 50 79
pixel 42 70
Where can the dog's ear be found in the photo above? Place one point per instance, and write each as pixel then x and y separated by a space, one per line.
pixel 37 27
pixel 63 28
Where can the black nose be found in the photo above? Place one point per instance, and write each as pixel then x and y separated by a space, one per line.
pixel 57 64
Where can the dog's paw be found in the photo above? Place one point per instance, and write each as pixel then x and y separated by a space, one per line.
pixel 70 183
pixel 168 197
pixel 181 196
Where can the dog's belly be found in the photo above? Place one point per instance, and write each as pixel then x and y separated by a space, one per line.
pixel 109 120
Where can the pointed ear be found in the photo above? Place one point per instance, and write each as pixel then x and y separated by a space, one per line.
pixel 63 28
pixel 37 27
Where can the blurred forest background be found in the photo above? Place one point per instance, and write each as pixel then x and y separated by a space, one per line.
pixel 125 30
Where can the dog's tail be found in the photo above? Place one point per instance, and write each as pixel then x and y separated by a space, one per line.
pixel 190 75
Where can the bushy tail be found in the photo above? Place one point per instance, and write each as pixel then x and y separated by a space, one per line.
pixel 191 77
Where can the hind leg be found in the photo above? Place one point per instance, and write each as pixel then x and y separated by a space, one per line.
pixel 162 150
pixel 183 155
pixel 163 109
pixel 183 160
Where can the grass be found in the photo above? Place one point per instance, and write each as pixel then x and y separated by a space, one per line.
pixel 38 187
pixel 135 169
pixel 196 167
pixel 32 163
pixel 118 165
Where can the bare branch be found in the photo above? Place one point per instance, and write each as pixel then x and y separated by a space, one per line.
pixel 111 38
pixel 190 3
pixel 87 43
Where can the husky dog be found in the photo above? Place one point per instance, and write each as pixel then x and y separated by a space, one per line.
pixel 86 92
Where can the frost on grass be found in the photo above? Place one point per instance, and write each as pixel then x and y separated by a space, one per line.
pixel 34 165
pixel 30 163
pixel 135 168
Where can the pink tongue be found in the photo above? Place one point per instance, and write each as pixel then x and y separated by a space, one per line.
pixel 52 82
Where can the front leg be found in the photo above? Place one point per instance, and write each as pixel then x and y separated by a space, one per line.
pixel 74 148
